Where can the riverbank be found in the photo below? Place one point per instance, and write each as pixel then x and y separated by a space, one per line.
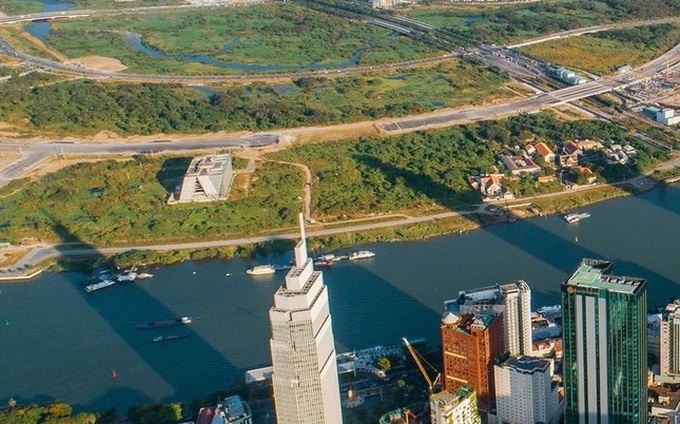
pixel 56 258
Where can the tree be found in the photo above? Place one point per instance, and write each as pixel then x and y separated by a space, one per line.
pixel 384 364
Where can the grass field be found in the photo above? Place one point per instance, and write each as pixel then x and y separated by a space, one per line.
pixel 287 35
pixel 602 53
pixel 85 107
pixel 510 23
pixel 114 202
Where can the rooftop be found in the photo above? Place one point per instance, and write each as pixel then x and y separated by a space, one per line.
pixel 595 274
pixel 468 322
pixel 527 365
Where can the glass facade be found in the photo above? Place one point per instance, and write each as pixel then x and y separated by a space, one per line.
pixel 605 346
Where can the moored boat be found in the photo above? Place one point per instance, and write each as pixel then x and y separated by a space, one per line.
pixel 127 277
pixel 100 285
pixel 361 254
pixel 184 320
pixel 143 275
pixel 323 263
pixel 159 339
pixel 261 270
pixel 576 217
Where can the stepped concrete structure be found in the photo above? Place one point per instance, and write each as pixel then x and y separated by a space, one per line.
pixel 208 178
pixel 305 371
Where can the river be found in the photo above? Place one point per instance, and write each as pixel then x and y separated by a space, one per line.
pixel 59 342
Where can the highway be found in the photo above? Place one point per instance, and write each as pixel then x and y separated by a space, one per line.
pixel 538 102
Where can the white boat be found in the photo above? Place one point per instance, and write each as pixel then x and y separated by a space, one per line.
pixel 127 277
pixel 549 309
pixel 261 270
pixel 361 254
pixel 143 275
pixel 99 285
pixel 576 217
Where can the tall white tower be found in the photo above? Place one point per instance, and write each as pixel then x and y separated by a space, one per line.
pixel 305 378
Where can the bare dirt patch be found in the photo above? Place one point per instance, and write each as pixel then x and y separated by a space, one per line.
pixel 99 63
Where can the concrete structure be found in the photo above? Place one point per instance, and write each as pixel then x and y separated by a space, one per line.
pixel 669 340
pixel 208 178
pixel 667 117
pixel 470 345
pixel 605 346
pixel 454 408
pixel 512 300
pixel 233 410
pixel 305 377
pixel 526 392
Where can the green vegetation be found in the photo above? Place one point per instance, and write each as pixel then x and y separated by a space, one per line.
pixel 427 171
pixel 268 36
pixel 502 24
pixel 45 414
pixel 87 107
pixel 123 202
pixel 603 52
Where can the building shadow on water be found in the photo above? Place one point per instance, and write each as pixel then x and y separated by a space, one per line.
pixel 179 366
pixel 554 250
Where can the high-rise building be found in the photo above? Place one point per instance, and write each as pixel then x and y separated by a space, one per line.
pixel 605 346
pixel 669 340
pixel 305 377
pixel 470 345
pixel 525 391
pixel 513 300
pixel 455 408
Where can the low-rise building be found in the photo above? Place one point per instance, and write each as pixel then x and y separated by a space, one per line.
pixel 567 160
pixel 233 410
pixel 520 164
pixel 664 403
pixel 667 117
pixel 545 153
pixel 490 187
pixel 207 179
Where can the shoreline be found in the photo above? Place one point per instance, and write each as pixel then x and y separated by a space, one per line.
pixel 45 258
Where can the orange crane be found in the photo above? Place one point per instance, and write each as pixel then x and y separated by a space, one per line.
pixel 434 386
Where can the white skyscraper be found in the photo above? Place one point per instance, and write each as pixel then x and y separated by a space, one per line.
pixel 525 392
pixel 669 340
pixel 305 377
pixel 513 300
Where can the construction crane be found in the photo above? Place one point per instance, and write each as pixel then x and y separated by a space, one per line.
pixel 432 385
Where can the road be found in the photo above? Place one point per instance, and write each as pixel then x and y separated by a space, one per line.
pixel 550 99
pixel 35 152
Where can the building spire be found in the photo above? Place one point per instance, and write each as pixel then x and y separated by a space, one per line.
pixel 301 247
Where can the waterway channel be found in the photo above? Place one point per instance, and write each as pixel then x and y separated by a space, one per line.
pixel 59 342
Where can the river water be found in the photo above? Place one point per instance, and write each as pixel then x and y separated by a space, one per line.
pixel 59 342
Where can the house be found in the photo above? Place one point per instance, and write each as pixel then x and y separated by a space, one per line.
pixel 587 173
pixel 571 147
pixel 490 187
pixel 520 164
pixel 545 178
pixel 530 149
pixel 545 153
pixel 568 160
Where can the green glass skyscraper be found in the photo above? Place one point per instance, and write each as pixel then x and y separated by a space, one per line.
pixel 605 346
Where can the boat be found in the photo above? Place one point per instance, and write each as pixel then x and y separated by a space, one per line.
pixel 361 254
pixel 127 277
pixel 328 257
pixel 576 217
pixel 184 320
pixel 323 263
pixel 144 275
pixel 550 309
pixel 100 285
pixel 159 339
pixel 261 270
